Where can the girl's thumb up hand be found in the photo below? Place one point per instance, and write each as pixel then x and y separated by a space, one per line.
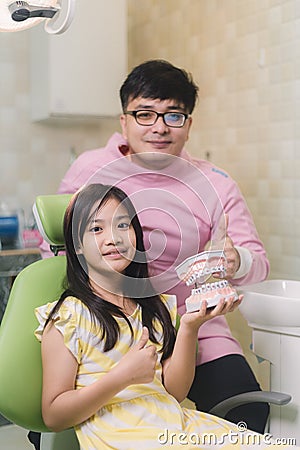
pixel 144 338
pixel 138 365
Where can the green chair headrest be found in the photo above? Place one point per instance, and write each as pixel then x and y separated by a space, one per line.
pixel 49 211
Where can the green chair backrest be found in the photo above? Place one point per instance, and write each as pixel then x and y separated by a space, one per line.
pixel 21 366
pixel 37 284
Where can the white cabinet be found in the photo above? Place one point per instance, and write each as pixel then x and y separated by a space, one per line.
pixel 78 74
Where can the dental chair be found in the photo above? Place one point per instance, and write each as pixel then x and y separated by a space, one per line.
pixel 21 367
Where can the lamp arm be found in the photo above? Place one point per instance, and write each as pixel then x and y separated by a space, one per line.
pixel 49 25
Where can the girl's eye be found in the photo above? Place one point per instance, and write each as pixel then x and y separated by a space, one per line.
pixel 124 225
pixel 95 229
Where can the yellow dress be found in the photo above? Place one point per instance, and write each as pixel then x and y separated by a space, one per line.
pixel 142 416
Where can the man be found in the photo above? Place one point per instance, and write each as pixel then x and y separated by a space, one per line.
pixel 184 204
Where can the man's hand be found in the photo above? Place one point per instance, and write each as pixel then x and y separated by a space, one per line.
pixel 222 241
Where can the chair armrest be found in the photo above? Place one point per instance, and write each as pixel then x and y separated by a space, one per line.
pixel 276 398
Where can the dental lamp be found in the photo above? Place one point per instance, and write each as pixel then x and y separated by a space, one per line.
pixel 20 15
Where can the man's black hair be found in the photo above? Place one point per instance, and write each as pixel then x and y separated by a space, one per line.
pixel 159 79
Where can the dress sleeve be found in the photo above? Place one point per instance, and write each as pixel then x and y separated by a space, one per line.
pixel 171 303
pixel 65 321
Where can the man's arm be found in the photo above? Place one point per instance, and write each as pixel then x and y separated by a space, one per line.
pixel 248 262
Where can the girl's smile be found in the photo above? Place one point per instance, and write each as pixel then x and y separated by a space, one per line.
pixel 115 254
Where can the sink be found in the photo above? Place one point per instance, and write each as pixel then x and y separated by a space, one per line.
pixel 272 310
pixel 272 303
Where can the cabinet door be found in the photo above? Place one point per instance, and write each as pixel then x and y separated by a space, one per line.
pixel 79 73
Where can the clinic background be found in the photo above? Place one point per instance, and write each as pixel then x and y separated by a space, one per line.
pixel 245 57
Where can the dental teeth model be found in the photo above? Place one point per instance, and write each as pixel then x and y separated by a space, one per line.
pixel 212 293
pixel 199 270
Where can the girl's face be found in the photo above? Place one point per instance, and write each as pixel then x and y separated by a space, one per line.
pixel 109 241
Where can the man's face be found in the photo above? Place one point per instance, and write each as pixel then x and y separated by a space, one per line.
pixel 153 144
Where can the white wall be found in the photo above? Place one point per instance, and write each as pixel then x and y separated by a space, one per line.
pixel 34 156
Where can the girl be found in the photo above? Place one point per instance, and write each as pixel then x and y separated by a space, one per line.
pixel 113 367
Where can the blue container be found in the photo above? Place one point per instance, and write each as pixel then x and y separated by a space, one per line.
pixel 9 231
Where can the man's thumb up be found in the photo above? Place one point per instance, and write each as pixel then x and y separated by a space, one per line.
pixel 220 234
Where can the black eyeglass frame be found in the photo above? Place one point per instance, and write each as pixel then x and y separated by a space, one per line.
pixel 134 114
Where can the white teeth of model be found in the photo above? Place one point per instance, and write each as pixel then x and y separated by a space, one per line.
pixel 207 271
pixel 210 287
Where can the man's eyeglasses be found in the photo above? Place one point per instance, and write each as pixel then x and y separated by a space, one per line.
pixel 148 118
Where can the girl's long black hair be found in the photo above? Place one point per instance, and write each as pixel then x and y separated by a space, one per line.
pixel 137 284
